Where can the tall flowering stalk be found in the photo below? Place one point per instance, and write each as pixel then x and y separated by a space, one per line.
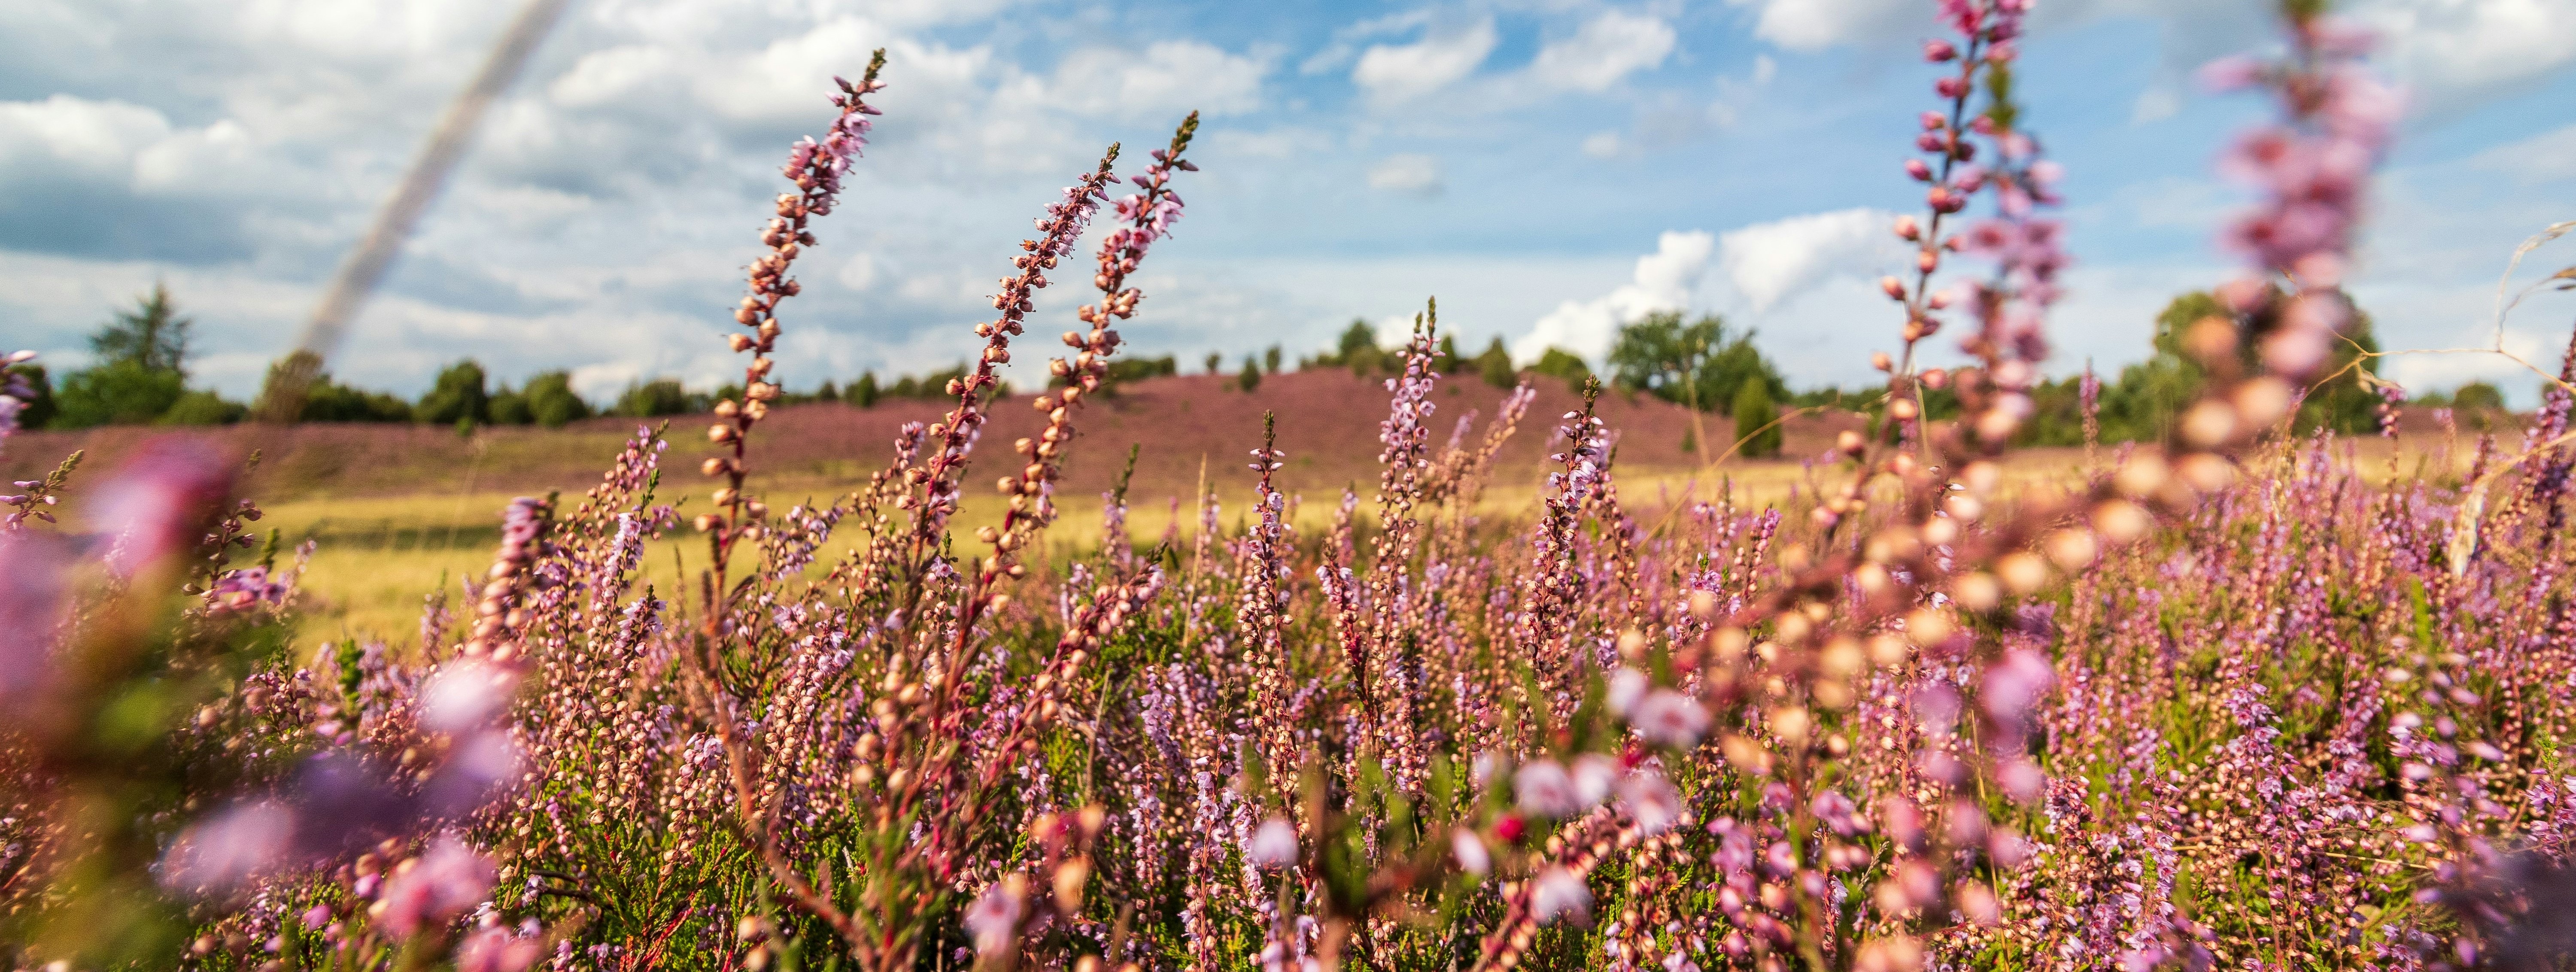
pixel 816 169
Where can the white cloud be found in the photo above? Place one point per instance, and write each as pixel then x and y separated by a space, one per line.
pixel 1809 25
pixel 1603 145
pixel 67 135
pixel 858 274
pixel 1170 77
pixel 2547 157
pixel 2452 52
pixel 1768 263
pixel 1409 173
pixel 1401 72
pixel 1665 280
pixel 1606 49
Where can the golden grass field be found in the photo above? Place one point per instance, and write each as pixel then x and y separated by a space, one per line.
pixel 377 558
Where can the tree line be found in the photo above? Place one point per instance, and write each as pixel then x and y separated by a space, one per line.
pixel 140 377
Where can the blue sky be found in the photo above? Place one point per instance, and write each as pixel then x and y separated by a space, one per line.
pixel 1547 168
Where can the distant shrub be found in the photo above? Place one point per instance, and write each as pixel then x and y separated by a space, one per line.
pixel 1558 362
pixel 204 408
pixel 458 395
pixel 1757 434
pixel 661 396
pixel 117 393
pixel 551 400
pixel 1249 378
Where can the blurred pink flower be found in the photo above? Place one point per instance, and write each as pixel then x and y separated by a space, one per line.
pixel 1558 892
pixel 1274 844
pixel 496 950
pixel 158 503
pixel 1669 718
pixel 1543 789
pixel 233 846
pixel 448 880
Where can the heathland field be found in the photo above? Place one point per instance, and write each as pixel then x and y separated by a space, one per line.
pixel 396 512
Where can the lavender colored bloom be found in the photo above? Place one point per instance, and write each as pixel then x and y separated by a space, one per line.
pixel 1594 775
pixel 1543 789
pixel 497 950
pixel 1669 718
pixel 234 846
pixel 441 884
pixel 1650 799
pixel 156 505
pixel 1557 893
pixel 1274 845
pixel 32 609
pixel 1470 850
pixel 994 918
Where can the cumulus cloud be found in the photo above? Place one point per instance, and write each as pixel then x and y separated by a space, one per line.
pixel 1167 78
pixel 1768 263
pixel 1445 54
pixel 1607 48
pixel 1411 174
pixel 1665 280
pixel 1811 25
pixel 2461 51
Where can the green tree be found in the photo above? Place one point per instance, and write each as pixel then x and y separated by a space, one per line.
pixel 1495 366
pixel 117 393
pixel 1270 360
pixel 1560 363
pixel 1449 361
pixel 458 396
pixel 551 400
pixel 1249 378
pixel 1757 435
pixel 650 399
pixel 142 357
pixel 152 335
pixel 1216 362
pixel 203 408
pixel 324 399
pixel 863 392
pixel 510 407
pixel 1700 364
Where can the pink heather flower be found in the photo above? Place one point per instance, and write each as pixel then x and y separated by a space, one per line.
pixel 447 881
pixel 1669 718
pixel 31 610
pixel 233 846
pixel 239 590
pixel 156 504
pixel 2015 684
pixel 466 694
pixel 1938 51
pixel 994 918
pixel 1473 858
pixel 1544 790
pixel 1650 800
pixel 1627 685
pixel 1594 775
pixel 496 950
pixel 1556 893
pixel 1921 171
pixel 1274 844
